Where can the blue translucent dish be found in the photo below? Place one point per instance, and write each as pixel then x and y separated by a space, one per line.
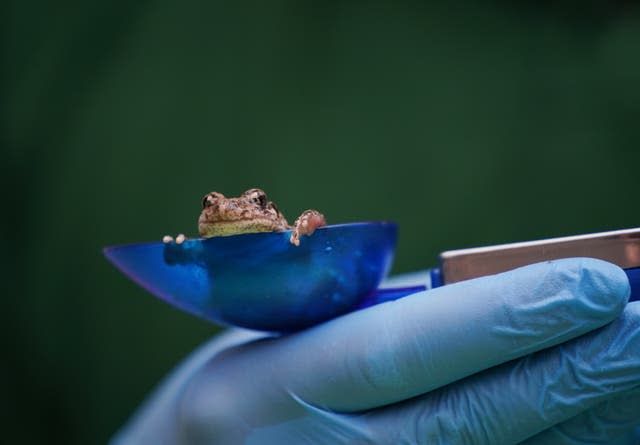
pixel 262 281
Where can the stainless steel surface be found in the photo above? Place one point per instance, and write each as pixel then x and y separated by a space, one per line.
pixel 621 247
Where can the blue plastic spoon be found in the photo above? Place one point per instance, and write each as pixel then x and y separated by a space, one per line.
pixel 262 281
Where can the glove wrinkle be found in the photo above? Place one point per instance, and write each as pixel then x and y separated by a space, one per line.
pixel 612 421
pixel 317 426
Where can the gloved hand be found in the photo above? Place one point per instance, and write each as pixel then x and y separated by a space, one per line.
pixel 545 354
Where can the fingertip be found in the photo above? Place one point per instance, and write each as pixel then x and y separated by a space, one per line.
pixel 603 285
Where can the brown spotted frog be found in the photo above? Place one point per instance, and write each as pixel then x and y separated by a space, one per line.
pixel 251 212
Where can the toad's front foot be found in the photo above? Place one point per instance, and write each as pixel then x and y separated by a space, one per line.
pixel 169 239
pixel 306 224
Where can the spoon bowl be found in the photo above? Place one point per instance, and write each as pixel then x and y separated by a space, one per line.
pixel 262 281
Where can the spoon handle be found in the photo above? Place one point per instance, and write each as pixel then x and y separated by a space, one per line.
pixel 634 280
pixel 383 295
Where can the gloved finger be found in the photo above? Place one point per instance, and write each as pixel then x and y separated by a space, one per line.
pixel 401 349
pixel 616 420
pixel 598 372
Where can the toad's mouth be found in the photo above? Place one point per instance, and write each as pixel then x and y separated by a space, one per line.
pixel 228 228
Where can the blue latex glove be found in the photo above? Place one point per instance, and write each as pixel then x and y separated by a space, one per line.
pixel 545 354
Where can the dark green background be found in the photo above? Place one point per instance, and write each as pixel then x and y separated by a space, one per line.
pixel 468 123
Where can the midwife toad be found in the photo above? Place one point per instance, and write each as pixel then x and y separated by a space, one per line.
pixel 249 213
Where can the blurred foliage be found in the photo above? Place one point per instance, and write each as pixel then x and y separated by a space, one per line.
pixel 469 124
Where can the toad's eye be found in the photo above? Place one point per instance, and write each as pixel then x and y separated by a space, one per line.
pixel 207 200
pixel 261 199
pixel 257 196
